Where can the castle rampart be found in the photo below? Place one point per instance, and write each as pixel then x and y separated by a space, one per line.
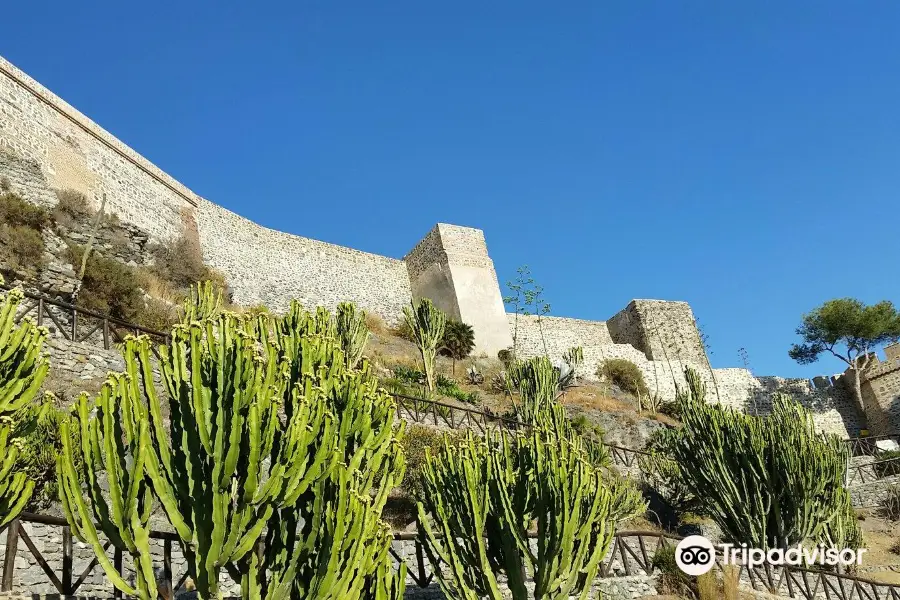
pixel 45 143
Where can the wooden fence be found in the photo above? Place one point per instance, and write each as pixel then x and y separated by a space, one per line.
pixel 868 446
pixel 631 554
pixel 77 324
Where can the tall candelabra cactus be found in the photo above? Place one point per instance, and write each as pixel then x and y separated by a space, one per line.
pixel 537 381
pixel 22 371
pixel 353 332
pixel 102 482
pixel 480 498
pixel 239 444
pixel 204 302
pixel 332 542
pixel 426 322
pixel 770 482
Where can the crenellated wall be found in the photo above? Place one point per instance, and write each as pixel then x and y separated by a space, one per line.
pixel 881 392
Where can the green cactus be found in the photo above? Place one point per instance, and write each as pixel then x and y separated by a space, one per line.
pixel 771 481
pixel 352 331
pixel 114 445
pixel 204 302
pixel 574 356
pixel 341 551
pixel 22 366
pixel 481 497
pixel 426 322
pixel 15 487
pixel 537 381
pixel 22 371
pixel 240 444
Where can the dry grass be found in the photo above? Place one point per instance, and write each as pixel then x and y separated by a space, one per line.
pixel 159 288
pixel 590 397
pixel 662 418
pixel 640 523
pixel 731 583
pixel 376 324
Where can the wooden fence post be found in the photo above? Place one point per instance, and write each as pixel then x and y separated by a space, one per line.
pixel 117 563
pixel 67 561
pixel 9 560
pixel 167 570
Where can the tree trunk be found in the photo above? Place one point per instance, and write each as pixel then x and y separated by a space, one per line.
pixel 857 391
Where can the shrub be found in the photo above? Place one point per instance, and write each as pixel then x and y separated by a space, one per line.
pixel 20 233
pixel 404 331
pixel 890 505
pixel 449 387
pixel 625 374
pixel 72 204
pixel 505 356
pixel 419 438
pixel 887 464
pixel 672 579
pixel 158 315
pixel 181 263
pixel 24 247
pixel 376 324
pixel 14 210
pixel 584 427
pixel 409 375
pixel 108 285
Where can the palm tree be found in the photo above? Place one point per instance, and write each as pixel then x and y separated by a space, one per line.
pixel 458 341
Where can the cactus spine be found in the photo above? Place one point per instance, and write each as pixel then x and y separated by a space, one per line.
pixel 426 322
pixel 353 332
pixel 113 447
pixel 22 371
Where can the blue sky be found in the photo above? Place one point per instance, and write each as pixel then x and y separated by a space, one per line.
pixel 741 156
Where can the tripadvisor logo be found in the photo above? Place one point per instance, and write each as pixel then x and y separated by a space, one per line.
pixel 696 555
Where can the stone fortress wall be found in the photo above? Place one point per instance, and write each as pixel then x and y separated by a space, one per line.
pixel 43 138
pixel 662 339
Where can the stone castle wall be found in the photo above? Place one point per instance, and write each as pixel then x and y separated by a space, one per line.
pixel 76 153
pixel 55 146
pixel 832 405
pixel 451 266
pixel 881 392
pixel 264 266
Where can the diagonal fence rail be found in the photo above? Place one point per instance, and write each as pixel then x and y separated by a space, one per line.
pixel 442 414
pixel 869 445
pixel 76 324
pixel 631 554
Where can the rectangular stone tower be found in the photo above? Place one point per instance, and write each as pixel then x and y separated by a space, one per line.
pixel 662 330
pixel 451 266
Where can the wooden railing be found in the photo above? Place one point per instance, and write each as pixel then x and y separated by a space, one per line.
pixel 78 324
pixel 867 446
pixel 874 471
pixel 441 414
pixel 631 553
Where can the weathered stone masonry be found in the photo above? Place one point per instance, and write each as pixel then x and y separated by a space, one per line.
pixel 45 143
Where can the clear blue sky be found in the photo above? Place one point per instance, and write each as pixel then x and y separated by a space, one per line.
pixel 741 156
